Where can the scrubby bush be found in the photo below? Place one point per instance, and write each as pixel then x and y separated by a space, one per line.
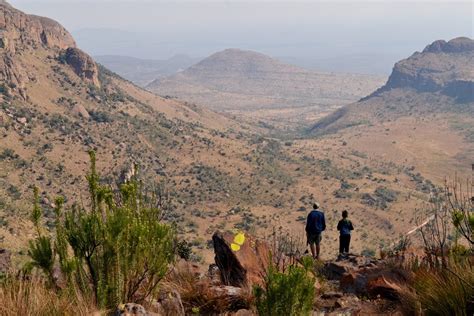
pixel 100 116
pixel 286 293
pixel 443 280
pixel 117 249
pixel 441 291
pixel 385 194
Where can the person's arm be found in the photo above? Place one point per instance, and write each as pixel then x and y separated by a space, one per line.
pixel 324 222
pixel 350 226
pixel 339 225
pixel 307 221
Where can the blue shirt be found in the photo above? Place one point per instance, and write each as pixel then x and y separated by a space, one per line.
pixel 315 223
pixel 345 226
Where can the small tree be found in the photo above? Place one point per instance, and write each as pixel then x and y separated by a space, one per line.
pixel 117 248
pixel 286 293
pixel 435 230
pixel 461 205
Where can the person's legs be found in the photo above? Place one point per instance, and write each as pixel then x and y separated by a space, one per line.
pixel 341 244
pixel 318 245
pixel 311 242
pixel 348 242
pixel 313 246
pixel 344 243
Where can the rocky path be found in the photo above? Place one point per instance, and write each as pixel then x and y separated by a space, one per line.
pixel 358 285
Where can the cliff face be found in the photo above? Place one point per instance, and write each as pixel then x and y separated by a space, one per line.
pixel 83 65
pixel 19 31
pixel 440 79
pixel 21 34
pixel 446 67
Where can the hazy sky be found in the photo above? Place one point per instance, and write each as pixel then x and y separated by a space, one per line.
pixel 355 36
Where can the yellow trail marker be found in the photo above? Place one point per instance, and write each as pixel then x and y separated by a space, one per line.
pixel 234 247
pixel 239 239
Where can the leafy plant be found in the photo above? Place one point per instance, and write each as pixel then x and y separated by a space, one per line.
pixel 286 293
pixel 117 249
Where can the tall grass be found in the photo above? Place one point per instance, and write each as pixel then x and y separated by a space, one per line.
pixel 200 296
pixel 435 291
pixel 31 297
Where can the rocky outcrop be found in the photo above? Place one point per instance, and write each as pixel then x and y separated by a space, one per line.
pixel 169 303
pixel 19 31
pixel 365 276
pixel 241 259
pixel 446 67
pixel 83 65
pixel 13 74
pixel 456 45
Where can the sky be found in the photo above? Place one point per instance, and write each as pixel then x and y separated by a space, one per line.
pixel 341 36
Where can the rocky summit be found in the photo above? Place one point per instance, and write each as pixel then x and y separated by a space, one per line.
pixel 446 67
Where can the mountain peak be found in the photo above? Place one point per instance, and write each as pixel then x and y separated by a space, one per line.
pixel 456 45
pixel 444 67
pixel 233 60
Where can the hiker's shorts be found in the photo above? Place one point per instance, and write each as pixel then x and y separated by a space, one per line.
pixel 313 238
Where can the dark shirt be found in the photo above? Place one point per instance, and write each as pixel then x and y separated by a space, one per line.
pixel 315 223
pixel 345 226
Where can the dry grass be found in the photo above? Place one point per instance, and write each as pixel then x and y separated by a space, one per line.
pixel 440 292
pixel 200 296
pixel 31 297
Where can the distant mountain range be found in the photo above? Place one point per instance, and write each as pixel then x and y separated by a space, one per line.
pixel 144 71
pixel 236 79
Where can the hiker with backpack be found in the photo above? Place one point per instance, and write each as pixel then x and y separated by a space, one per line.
pixel 344 227
pixel 315 225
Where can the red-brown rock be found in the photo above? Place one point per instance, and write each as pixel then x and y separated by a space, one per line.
pixel 243 267
pixel 380 286
pixel 83 65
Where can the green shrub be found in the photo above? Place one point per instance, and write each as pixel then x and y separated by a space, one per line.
pixel 443 292
pixel 286 293
pixel 386 194
pixel 118 249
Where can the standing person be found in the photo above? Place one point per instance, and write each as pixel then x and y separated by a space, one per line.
pixel 344 227
pixel 315 225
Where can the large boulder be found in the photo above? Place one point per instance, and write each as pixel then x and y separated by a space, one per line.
pixel 83 65
pixel 384 287
pixel 169 303
pixel 334 270
pixel 365 276
pixel 242 259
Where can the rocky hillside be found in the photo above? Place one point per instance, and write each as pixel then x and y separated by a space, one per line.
pixel 57 103
pixel 234 80
pixel 440 79
pixel 423 115
pixel 213 172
